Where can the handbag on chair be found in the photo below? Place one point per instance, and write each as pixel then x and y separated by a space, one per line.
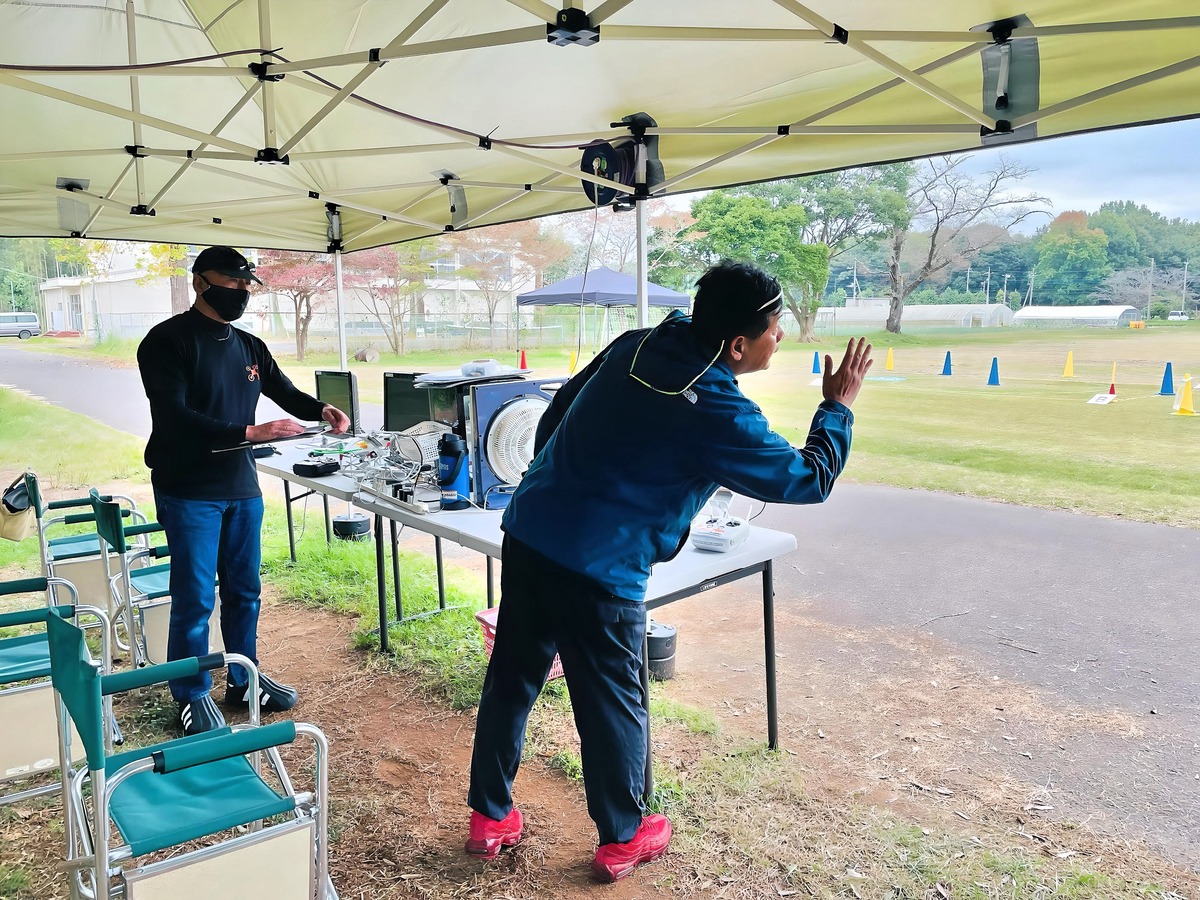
pixel 17 516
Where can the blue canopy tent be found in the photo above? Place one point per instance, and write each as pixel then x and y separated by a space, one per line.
pixel 601 287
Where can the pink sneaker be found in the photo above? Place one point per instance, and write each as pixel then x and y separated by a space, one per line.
pixel 614 861
pixel 489 835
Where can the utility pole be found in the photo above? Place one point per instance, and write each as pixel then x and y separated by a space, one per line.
pixel 1182 289
pixel 987 286
pixel 1029 293
pixel 1006 277
pixel 968 278
pixel 1149 289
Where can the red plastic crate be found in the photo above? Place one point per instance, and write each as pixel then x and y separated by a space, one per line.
pixel 487 622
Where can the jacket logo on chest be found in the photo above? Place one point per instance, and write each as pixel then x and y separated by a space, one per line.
pixel 252 372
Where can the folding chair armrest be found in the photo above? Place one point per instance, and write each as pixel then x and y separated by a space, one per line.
pixel 35 616
pixel 22 586
pixel 237 743
pixel 178 668
pixel 73 502
pixel 82 518
pixel 144 528
pixel 160 551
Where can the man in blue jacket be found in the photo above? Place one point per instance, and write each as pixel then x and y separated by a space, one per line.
pixel 628 453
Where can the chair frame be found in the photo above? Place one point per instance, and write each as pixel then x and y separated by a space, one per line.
pixel 40 616
pixel 47 544
pixel 97 854
pixel 123 600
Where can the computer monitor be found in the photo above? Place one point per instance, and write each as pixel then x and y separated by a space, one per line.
pixel 340 389
pixel 403 405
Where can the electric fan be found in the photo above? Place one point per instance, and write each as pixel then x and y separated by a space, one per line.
pixel 504 419
pixel 509 440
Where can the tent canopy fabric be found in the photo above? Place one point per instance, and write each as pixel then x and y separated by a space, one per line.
pixel 319 124
pixel 602 287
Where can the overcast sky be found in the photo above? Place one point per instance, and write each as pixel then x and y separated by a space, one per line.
pixel 1152 164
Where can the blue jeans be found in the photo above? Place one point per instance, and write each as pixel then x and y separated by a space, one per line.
pixel 211 539
pixel 599 639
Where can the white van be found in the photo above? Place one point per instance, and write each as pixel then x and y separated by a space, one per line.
pixel 1177 315
pixel 19 324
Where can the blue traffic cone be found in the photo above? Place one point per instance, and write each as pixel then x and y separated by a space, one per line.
pixel 946 367
pixel 816 363
pixel 994 377
pixel 1168 385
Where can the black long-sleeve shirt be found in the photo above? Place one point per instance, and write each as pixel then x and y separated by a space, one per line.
pixel 203 379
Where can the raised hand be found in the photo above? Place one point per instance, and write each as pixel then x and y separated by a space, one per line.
pixel 844 384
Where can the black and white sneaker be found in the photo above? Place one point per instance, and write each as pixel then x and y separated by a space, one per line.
pixel 273 697
pixel 200 715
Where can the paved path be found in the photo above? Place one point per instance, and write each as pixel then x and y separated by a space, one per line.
pixel 1109 606
pixel 110 395
pixel 1100 613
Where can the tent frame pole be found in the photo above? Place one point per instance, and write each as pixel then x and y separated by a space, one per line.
pixel 643 264
pixel 341 309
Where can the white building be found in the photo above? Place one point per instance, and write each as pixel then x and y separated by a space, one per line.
pixel 1077 316
pixel 121 301
pixel 840 320
pixel 125 301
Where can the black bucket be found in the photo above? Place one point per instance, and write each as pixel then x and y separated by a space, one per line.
pixel 660 650
pixel 352 527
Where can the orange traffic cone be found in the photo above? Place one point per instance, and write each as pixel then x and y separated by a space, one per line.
pixel 521 361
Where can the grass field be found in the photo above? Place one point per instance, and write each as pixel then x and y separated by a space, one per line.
pixel 1033 440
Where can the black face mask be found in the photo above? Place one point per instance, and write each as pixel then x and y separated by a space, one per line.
pixel 228 303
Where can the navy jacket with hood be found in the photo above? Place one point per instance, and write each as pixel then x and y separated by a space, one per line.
pixel 623 469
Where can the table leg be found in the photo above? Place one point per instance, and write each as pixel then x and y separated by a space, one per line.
pixel 441 576
pixel 769 636
pixel 287 505
pixel 328 521
pixel 396 572
pixel 381 584
pixel 648 789
pixel 491 584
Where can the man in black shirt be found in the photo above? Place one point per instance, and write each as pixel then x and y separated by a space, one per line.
pixel 203 378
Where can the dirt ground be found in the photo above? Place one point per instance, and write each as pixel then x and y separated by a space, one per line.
pixel 866 722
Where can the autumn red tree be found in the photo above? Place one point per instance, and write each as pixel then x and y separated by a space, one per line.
pixel 304 278
pixel 392 282
pixel 504 259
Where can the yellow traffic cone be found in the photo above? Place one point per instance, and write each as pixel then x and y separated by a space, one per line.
pixel 1112 385
pixel 1069 368
pixel 1186 407
pixel 890 363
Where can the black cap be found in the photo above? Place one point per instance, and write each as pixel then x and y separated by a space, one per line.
pixel 227 261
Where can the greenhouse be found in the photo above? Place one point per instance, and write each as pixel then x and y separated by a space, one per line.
pixel 843 320
pixel 1077 316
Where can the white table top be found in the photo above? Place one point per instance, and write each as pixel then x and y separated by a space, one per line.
pixel 479 530
pixel 338 486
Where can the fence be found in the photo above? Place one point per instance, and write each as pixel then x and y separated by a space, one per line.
pixel 592 328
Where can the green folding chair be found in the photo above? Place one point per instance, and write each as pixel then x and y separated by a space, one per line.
pixel 75 557
pixel 130 807
pixel 35 738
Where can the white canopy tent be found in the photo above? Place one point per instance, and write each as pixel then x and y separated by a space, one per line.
pixel 346 124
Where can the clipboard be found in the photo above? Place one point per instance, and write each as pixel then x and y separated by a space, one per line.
pixel 309 432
